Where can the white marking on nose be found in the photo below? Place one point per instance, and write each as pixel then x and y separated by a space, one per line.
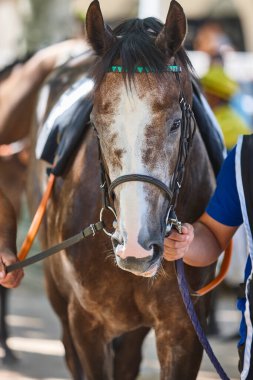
pixel 132 209
pixel 132 116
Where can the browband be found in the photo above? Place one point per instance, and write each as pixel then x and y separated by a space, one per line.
pixel 145 69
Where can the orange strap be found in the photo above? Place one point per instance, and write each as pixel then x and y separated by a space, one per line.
pixel 33 230
pixel 223 271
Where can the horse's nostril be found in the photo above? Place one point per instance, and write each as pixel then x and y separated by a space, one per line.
pixel 155 245
pixel 116 242
pixel 157 252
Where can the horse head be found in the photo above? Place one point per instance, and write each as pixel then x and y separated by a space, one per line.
pixel 138 116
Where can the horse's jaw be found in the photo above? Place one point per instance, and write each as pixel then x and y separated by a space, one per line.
pixel 151 272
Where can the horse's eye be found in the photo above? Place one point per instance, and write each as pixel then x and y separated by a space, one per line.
pixel 94 127
pixel 175 125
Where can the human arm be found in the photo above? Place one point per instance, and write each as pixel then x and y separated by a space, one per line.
pixel 199 244
pixel 202 243
pixel 8 231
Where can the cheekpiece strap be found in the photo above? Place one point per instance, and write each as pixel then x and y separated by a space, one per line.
pixel 145 69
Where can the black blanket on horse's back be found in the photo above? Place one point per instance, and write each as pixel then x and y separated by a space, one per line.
pixel 65 126
pixel 209 129
pixel 69 125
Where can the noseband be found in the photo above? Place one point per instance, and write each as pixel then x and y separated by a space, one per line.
pixel 188 127
pixel 140 178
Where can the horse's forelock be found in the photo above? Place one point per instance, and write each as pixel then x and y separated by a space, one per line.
pixel 135 45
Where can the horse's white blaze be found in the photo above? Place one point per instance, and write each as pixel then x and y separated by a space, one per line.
pixel 134 132
pixel 133 115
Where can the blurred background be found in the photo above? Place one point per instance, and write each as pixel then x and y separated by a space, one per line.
pixel 28 25
pixel 31 24
pixel 220 46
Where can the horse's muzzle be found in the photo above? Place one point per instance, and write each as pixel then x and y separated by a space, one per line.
pixel 146 266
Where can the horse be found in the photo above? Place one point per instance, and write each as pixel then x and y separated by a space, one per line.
pixel 20 83
pixel 109 291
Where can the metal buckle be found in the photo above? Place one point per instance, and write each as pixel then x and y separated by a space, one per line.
pixel 172 221
pixel 101 219
pixel 177 224
pixel 93 229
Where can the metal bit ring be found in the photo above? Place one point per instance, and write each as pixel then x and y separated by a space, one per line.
pixel 101 218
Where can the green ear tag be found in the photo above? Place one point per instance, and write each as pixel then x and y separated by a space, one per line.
pixel 140 69
pixel 114 68
pixel 119 69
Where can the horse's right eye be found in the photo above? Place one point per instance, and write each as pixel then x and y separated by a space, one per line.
pixel 175 125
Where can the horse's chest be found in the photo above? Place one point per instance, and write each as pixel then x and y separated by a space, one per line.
pixel 112 308
pixel 106 294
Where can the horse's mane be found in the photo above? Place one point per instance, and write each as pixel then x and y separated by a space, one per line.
pixel 135 45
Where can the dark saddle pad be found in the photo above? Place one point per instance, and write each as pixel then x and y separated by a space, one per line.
pixel 69 119
pixel 209 129
pixel 65 126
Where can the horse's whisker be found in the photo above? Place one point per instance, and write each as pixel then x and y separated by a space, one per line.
pixel 109 256
pixel 162 272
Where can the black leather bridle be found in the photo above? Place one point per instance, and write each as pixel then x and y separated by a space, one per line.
pixel 188 127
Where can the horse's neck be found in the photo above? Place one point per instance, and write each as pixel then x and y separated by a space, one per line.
pixel 80 189
pixel 198 184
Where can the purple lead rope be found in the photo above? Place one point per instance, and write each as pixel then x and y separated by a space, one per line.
pixel 183 287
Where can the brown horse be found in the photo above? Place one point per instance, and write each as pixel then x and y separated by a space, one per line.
pixel 106 295
pixel 20 84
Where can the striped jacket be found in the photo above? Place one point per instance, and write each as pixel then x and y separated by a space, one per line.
pixel 244 181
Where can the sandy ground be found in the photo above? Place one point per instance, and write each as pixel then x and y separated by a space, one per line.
pixel 35 334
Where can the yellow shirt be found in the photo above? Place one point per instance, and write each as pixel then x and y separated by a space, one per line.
pixel 231 123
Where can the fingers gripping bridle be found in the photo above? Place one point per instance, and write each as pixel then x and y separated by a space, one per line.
pixel 188 127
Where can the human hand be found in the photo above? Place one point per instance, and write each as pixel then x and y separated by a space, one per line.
pixel 9 280
pixel 176 245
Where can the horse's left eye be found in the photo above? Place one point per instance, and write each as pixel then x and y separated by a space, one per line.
pixel 94 127
pixel 175 125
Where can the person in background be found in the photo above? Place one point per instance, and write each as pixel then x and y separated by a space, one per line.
pixel 8 232
pixel 223 93
pixel 219 88
pixel 212 40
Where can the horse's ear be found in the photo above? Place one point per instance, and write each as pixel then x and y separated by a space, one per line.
pixel 172 36
pixel 99 35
